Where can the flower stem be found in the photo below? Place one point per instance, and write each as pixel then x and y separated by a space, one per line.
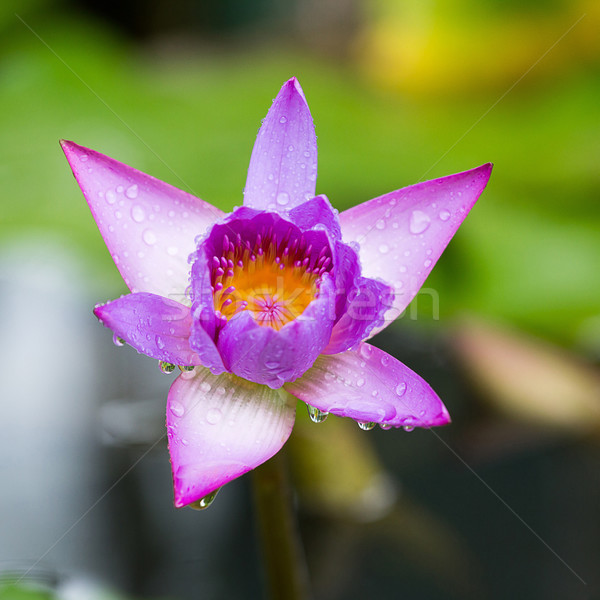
pixel 285 566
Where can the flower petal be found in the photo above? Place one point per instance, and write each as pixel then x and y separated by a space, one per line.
pixel 317 213
pixel 153 325
pixel 402 234
pixel 263 355
pixel 283 166
pixel 370 385
pixel 363 312
pixel 148 226
pixel 220 427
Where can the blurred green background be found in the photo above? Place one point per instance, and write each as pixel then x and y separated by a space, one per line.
pixel 400 92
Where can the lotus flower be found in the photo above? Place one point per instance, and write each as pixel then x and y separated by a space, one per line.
pixel 272 302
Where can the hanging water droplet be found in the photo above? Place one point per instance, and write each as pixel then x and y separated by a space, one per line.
pixel 419 222
pixel 408 427
pixel 166 367
pixel 385 426
pixel 118 341
pixel 316 415
pixel 366 425
pixel 204 502
pixel 185 368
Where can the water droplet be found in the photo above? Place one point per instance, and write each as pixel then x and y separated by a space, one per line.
pixel 166 367
pixel 444 215
pixel 213 416
pixel 132 191
pixel 205 502
pixel 118 341
pixel 149 237
pixel 419 222
pixel 137 213
pixel 384 248
pixel 385 426
pixel 186 368
pixel 366 425
pixel 177 408
pixel 120 189
pixel 283 120
pixel 205 386
pixel 110 197
pixel 427 263
pixel 360 382
pixel 83 157
pixel 316 415
pixel 290 148
pixel 408 427
pixel 385 360
pixel 380 224
pixel 283 198
pixel 401 389
pixel 160 343
pixel 272 364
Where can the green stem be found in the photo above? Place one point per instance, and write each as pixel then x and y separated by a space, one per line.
pixel 285 567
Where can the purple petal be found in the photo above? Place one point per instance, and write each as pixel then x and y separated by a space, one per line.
pixel 149 226
pixel 283 166
pixel 263 355
pixel 402 234
pixel 317 213
pixel 153 325
pixel 220 427
pixel 370 385
pixel 362 313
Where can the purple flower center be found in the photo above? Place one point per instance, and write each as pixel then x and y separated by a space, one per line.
pixel 275 279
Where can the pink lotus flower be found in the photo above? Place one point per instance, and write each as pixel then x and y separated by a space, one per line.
pixel 272 302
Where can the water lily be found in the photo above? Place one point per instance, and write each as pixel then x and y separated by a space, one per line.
pixel 272 302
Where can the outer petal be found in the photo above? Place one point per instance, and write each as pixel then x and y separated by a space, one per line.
pixel 149 226
pixel 370 385
pixel 153 325
pixel 402 234
pixel 283 166
pixel 220 427
pixel 271 357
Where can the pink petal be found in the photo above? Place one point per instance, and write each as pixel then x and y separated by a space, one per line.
pixel 370 385
pixel 148 226
pixel 220 427
pixel 155 326
pixel 402 234
pixel 283 166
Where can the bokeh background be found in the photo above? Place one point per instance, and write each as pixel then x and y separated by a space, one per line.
pixel 503 503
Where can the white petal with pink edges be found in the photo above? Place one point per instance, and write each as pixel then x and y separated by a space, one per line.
pixel 149 226
pixel 221 426
pixel 401 235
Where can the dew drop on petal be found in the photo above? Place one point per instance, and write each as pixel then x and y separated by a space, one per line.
pixel 366 425
pixel 205 502
pixel 137 213
pixel 205 386
pixel 283 120
pixel 401 389
pixel 419 222
pixel 444 215
pixel 213 416
pixel 132 191
pixel 149 237
pixel 360 382
pixel 316 415
pixel 177 408
pixel 110 197
pixel 380 224
pixel 283 198
pixel 166 367
pixel 384 248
